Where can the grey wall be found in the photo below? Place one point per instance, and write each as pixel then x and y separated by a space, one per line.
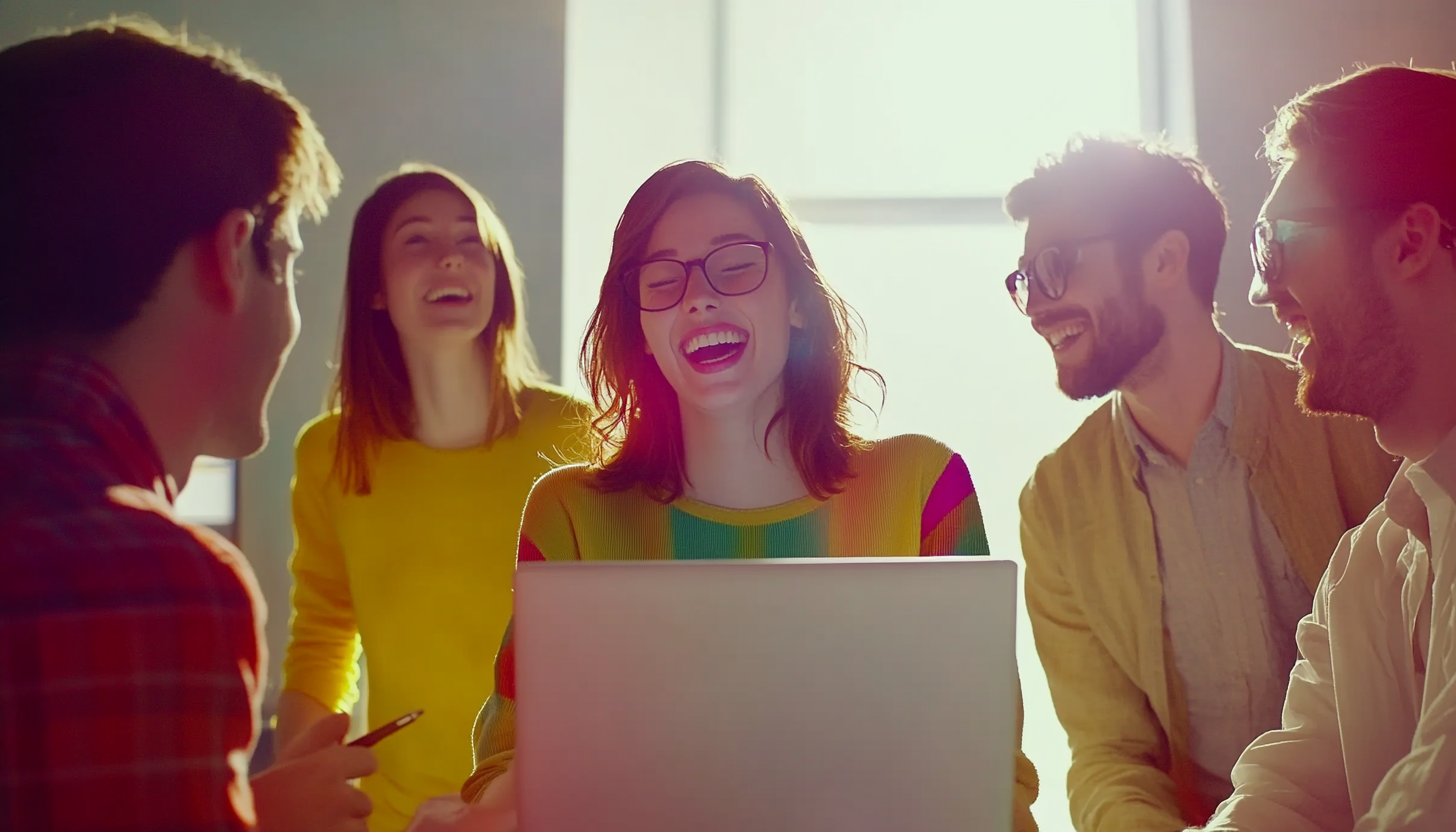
pixel 474 85
pixel 1249 57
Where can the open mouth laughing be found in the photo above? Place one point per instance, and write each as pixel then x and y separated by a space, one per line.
pixel 1064 335
pixel 1300 335
pixel 715 348
pixel 449 296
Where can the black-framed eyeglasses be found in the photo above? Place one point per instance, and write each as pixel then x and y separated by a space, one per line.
pixel 1266 245
pixel 733 269
pixel 1048 271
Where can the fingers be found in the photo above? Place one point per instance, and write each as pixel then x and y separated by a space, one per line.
pixel 501 793
pixel 357 804
pixel 328 731
pixel 354 762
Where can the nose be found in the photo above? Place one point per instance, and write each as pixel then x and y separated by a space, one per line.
pixel 700 295
pixel 452 262
pixel 1260 293
pixel 1036 299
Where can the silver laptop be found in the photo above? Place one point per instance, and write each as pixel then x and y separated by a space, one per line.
pixel 805 695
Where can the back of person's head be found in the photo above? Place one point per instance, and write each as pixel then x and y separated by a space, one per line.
pixel 638 436
pixel 119 142
pixel 372 389
pixel 1381 137
pixel 1143 190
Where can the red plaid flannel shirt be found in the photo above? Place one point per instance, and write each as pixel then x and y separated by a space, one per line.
pixel 131 649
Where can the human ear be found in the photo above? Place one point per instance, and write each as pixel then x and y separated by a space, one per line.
pixel 227 261
pixel 1166 260
pixel 796 318
pixel 1417 238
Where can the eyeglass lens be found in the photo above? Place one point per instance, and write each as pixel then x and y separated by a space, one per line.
pixel 732 270
pixel 1265 250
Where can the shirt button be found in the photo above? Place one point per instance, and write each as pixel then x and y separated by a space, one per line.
pixel 1198 480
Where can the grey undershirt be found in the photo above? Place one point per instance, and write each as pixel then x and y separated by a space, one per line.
pixel 1231 596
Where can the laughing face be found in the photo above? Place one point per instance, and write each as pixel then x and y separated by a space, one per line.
pixel 439 276
pixel 1353 355
pixel 1102 327
pixel 720 352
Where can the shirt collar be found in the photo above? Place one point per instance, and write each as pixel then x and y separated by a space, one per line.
pixel 1434 477
pixel 77 391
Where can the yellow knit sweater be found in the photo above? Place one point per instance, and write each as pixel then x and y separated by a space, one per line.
pixel 419 572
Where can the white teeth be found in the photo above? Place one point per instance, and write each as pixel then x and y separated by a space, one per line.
pixel 712 339
pixel 447 292
pixel 1057 336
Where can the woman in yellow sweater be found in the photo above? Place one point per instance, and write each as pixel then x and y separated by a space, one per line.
pixel 407 495
pixel 723 364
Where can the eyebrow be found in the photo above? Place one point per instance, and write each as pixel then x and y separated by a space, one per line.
pixel 718 240
pixel 470 218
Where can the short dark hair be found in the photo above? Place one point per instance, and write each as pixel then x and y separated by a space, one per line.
pixel 1383 136
pixel 119 142
pixel 1146 189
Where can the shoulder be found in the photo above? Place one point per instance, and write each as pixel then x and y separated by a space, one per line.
pixel 318 438
pixel 1094 442
pixel 910 458
pixel 906 450
pixel 1276 372
pixel 1369 554
pixel 549 401
pixel 563 486
pixel 47 465
pixel 125 550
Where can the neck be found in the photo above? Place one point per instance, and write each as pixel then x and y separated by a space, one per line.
pixel 1427 413
pixel 164 391
pixel 1172 392
pixel 451 386
pixel 728 462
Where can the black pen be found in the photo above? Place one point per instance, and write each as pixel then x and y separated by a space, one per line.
pixel 385 730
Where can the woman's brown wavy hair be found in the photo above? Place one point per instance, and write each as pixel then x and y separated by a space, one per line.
pixel 637 439
pixel 371 391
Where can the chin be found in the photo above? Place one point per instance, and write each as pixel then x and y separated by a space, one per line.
pixel 240 441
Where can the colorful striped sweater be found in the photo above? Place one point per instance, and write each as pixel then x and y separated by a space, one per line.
pixel 910 496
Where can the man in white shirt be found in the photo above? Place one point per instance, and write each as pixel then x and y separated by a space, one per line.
pixel 1355 250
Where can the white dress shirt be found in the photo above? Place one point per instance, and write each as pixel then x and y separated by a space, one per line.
pixel 1369 736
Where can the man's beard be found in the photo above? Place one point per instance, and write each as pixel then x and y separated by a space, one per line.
pixel 1126 329
pixel 1362 365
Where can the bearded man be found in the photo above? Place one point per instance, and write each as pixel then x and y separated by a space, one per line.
pixel 1355 251
pixel 1174 542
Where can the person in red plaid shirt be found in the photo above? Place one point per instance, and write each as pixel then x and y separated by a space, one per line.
pixel 150 190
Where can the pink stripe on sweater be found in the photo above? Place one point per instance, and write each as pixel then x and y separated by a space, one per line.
pixel 949 491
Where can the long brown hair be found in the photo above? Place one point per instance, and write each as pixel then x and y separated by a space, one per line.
pixel 372 389
pixel 637 439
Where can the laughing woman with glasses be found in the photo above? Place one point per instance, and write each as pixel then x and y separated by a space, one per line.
pixel 722 365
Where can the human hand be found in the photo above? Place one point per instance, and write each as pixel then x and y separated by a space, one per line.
pixel 449 814
pixel 308 789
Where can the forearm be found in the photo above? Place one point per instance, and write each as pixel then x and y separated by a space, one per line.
pixel 297 711
pixel 1119 792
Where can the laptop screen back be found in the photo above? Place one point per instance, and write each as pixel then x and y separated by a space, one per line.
pixel 825 694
